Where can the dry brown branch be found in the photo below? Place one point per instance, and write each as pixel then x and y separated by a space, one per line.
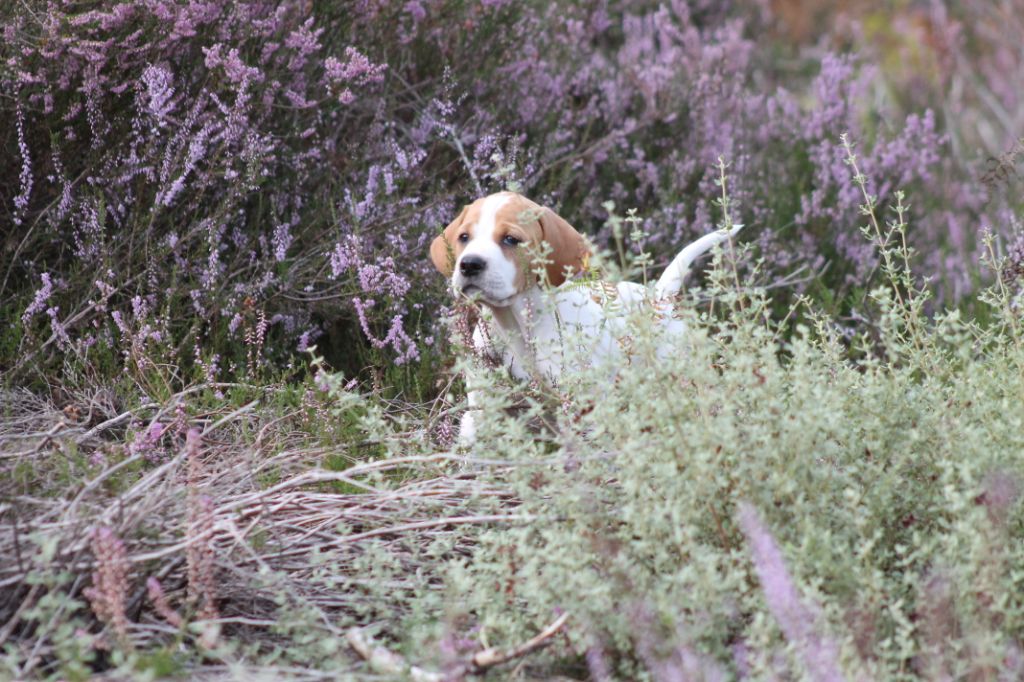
pixel 489 658
pixel 382 660
pixel 114 421
pixel 386 662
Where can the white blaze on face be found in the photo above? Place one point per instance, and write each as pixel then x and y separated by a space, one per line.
pixel 496 282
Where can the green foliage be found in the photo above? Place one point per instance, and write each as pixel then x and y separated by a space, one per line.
pixel 56 615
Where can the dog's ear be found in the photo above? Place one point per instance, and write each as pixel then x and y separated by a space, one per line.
pixel 442 250
pixel 568 248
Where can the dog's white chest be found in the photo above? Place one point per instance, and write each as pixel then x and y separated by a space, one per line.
pixel 548 333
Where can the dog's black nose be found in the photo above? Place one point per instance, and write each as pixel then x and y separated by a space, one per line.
pixel 472 266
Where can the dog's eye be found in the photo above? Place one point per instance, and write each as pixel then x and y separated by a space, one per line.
pixel 509 240
pixel 464 237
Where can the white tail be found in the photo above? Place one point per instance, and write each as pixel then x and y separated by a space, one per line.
pixel 671 281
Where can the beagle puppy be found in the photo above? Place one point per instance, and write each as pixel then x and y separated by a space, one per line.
pixel 518 259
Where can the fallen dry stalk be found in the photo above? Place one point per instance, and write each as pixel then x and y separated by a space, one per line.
pixel 386 662
pixel 493 656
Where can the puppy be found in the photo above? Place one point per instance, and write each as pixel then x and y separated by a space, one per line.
pixel 493 252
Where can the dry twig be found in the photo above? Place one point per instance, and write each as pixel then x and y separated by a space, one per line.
pixel 384 661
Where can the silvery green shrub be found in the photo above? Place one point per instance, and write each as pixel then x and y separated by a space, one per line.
pixel 774 503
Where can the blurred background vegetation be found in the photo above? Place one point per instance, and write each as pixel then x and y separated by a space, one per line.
pixel 193 192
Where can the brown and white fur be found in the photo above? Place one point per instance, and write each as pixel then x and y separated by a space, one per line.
pixel 493 251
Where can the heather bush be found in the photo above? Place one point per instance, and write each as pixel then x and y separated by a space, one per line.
pixel 197 190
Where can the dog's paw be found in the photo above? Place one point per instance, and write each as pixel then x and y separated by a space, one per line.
pixel 467 430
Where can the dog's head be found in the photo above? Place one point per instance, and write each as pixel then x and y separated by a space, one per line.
pixel 491 249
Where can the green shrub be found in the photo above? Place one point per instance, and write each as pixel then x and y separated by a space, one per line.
pixel 891 485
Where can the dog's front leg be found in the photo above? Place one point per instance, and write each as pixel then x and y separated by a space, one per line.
pixel 486 352
pixel 467 425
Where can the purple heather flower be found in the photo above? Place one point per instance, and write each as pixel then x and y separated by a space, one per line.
pixel 799 619
pixel 159 85
pixel 25 178
pixel 39 300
